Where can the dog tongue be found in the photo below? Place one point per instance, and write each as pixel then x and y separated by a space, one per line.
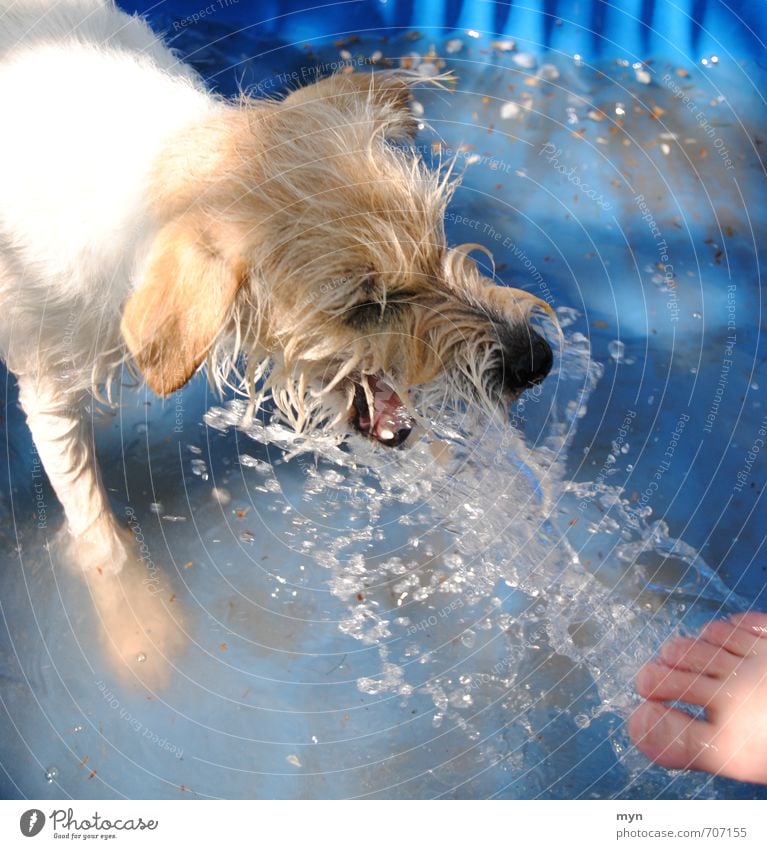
pixel 391 422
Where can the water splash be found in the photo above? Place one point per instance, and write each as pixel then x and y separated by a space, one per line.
pixel 487 581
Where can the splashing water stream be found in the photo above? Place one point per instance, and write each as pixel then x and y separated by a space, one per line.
pixel 486 580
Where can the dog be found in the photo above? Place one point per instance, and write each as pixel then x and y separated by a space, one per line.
pixel 145 220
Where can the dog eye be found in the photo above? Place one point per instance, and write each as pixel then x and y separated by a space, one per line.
pixel 366 313
pixel 375 312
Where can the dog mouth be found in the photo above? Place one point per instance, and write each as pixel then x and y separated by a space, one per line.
pixel 378 412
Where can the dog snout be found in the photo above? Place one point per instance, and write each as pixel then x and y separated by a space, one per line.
pixel 526 360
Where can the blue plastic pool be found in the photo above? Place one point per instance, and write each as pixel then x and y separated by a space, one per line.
pixel 613 162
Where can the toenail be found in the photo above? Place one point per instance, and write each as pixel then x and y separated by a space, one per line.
pixel 649 719
pixel 647 678
pixel 641 679
pixel 644 720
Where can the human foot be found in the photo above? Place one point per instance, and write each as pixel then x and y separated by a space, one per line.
pixel 723 670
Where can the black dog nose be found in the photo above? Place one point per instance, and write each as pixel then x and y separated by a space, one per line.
pixel 527 361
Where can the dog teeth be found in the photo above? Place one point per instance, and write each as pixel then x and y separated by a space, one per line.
pixel 386 434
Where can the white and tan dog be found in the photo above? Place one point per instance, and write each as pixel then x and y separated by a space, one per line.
pixel 143 219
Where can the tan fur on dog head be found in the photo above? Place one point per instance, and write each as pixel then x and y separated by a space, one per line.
pixel 304 235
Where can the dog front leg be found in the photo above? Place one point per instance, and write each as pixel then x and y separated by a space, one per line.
pixel 141 633
pixel 64 441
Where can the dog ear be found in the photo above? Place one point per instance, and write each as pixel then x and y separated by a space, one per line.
pixel 384 96
pixel 171 321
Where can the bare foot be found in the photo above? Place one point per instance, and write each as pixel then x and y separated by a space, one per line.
pixel 723 670
pixel 142 625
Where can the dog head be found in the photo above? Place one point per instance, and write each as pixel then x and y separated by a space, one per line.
pixel 306 235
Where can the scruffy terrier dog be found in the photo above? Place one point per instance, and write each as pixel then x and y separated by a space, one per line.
pixel 143 219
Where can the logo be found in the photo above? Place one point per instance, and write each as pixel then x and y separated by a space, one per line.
pixel 32 822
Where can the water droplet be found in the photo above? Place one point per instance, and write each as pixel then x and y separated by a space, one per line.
pixel 141 657
pixel 643 76
pixel 581 720
pixel 78 728
pixel 524 60
pixel 51 774
pixel 617 350
pixel 697 315
pixel 510 110
pixel 567 316
pixel 253 463
pixel 549 72
pixel 221 495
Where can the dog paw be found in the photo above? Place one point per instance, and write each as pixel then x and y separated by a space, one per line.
pixel 142 626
